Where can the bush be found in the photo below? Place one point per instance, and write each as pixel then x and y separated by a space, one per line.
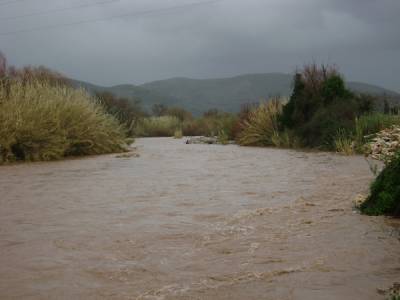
pixel 261 127
pixel 321 106
pixel 43 121
pixel 164 126
pixel 385 191
pixel 321 130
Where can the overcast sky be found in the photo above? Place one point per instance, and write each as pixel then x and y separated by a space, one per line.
pixel 122 41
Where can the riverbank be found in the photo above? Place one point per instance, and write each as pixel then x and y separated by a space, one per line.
pixel 194 221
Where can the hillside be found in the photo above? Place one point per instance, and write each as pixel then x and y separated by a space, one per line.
pixel 227 94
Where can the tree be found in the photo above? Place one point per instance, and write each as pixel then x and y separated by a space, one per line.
pixel 320 105
pixel 386 107
pixel 3 65
pixel 159 109
pixel 179 113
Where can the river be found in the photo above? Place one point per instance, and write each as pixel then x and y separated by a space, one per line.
pixel 193 222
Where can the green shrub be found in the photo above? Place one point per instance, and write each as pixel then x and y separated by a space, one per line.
pixel 321 106
pixel 384 197
pixel 164 126
pixel 43 121
pixel 261 128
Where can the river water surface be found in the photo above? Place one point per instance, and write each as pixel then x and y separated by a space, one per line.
pixel 193 222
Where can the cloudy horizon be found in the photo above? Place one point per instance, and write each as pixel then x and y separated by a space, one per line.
pixel 110 42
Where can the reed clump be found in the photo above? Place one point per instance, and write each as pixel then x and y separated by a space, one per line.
pixel 40 120
pixel 344 143
pixel 369 124
pixel 178 134
pixel 261 125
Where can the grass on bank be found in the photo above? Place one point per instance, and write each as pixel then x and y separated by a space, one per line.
pixel 349 142
pixel 372 123
pixel 261 125
pixel 163 126
pixel 43 121
pixel 210 124
pixel 344 143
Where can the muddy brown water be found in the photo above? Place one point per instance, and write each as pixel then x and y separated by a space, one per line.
pixel 193 222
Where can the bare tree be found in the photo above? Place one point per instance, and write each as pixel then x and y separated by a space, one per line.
pixel 3 64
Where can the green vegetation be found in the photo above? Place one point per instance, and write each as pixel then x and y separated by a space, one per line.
pixel 176 122
pixel 216 123
pixel 370 124
pixel 321 107
pixel 322 113
pixel 366 127
pixel 344 143
pixel 43 118
pixel 385 191
pixel 164 126
pixel 178 134
pixel 126 111
pixel 261 127
pixel 41 121
pixel 223 138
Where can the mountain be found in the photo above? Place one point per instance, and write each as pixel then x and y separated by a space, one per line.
pixel 147 97
pixel 226 94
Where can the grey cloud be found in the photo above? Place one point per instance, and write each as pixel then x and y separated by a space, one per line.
pixel 224 38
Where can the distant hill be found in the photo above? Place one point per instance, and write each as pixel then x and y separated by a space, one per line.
pixel 226 94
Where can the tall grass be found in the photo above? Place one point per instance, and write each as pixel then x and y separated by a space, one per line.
pixel 373 123
pixel 164 126
pixel 178 134
pixel 261 127
pixel 349 142
pixel 344 143
pixel 43 121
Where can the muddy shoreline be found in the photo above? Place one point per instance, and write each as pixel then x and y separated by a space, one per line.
pixel 193 222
